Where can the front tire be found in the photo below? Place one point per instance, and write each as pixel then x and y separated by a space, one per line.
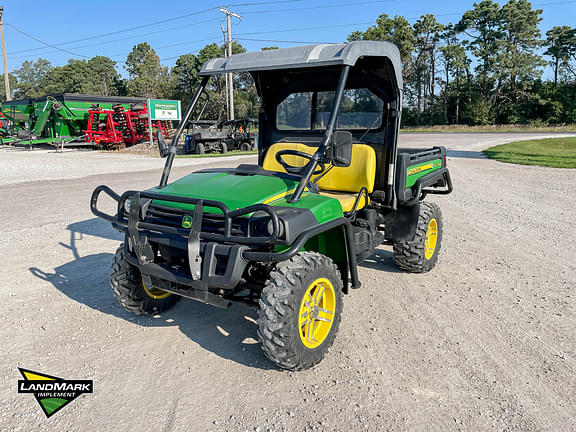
pixel 245 146
pixel 421 254
pixel 300 311
pixel 131 291
pixel 223 148
pixel 200 149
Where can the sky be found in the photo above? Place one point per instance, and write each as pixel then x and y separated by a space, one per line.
pixel 173 28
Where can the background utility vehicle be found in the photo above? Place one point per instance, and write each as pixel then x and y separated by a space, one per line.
pixel 241 133
pixel 288 234
pixel 203 136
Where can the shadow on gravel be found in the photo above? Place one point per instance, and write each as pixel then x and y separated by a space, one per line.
pixel 381 259
pixel 230 334
pixel 466 154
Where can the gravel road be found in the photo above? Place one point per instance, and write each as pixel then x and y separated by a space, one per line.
pixel 484 342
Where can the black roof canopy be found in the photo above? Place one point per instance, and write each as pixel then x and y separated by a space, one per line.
pixel 310 56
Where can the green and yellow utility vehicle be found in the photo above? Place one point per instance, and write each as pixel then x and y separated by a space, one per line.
pixel 288 233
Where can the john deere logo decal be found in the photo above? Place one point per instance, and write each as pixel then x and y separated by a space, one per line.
pixel 186 221
pixel 52 393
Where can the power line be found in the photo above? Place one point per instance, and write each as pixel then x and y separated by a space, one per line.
pixel 203 11
pixel 173 45
pixel 46 43
pixel 119 39
pixel 262 3
pixel 305 28
pixel 349 4
pixel 124 30
pixel 56 47
pixel 283 41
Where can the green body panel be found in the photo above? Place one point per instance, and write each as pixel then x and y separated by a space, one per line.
pixel 331 243
pixel 238 191
pixel 414 172
pixel 324 208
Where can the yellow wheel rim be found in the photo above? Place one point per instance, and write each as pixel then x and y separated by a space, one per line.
pixel 316 313
pixel 154 292
pixel 431 239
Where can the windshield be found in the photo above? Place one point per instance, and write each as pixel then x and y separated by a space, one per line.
pixel 360 109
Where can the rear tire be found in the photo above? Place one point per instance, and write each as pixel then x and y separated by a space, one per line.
pixel 245 146
pixel 223 148
pixel 200 149
pixel 127 283
pixel 421 254
pixel 300 310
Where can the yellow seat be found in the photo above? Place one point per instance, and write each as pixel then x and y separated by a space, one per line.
pixel 342 183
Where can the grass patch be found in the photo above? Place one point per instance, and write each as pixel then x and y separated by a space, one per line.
pixel 211 155
pixel 550 152
pixel 491 128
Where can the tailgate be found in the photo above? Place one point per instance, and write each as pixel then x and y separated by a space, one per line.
pixel 417 168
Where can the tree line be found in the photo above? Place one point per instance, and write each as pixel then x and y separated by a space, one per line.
pixel 485 68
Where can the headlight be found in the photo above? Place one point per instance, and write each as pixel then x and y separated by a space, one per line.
pixel 262 226
pixel 127 203
pixel 270 228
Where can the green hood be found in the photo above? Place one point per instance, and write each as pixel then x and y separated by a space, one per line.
pixel 236 191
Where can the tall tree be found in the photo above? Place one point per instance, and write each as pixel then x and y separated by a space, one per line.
pixel 396 30
pixel 482 26
pixel 73 77
pixel 456 68
pixel 31 76
pixel 146 72
pixel 13 84
pixel 186 78
pixel 561 46
pixel 426 37
pixel 104 77
pixel 518 62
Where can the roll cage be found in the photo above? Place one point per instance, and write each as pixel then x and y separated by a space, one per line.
pixel 278 73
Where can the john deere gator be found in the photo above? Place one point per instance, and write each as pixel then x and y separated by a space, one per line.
pixel 287 234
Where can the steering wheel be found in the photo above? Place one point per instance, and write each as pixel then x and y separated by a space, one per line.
pixel 297 170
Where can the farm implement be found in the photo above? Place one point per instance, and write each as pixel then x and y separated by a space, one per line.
pixel 119 127
pixel 77 119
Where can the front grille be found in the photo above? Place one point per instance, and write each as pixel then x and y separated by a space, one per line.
pixel 211 223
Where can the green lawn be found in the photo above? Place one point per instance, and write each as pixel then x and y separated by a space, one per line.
pixel 209 155
pixel 550 152
pixel 488 129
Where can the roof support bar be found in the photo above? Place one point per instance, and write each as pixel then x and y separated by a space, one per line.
pixel 183 123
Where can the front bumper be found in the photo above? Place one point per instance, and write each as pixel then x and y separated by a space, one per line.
pixel 216 259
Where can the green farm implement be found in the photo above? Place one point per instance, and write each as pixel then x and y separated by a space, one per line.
pixel 57 119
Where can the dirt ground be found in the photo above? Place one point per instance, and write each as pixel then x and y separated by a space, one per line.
pixel 484 342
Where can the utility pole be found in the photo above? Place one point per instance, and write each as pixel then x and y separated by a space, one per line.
pixel 226 76
pixel 6 78
pixel 229 77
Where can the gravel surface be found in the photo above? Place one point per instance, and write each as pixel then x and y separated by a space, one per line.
pixel 18 164
pixel 484 342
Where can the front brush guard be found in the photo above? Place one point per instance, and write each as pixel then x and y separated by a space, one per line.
pixel 203 247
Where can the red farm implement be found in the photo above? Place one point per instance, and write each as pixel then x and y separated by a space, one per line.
pixel 120 127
